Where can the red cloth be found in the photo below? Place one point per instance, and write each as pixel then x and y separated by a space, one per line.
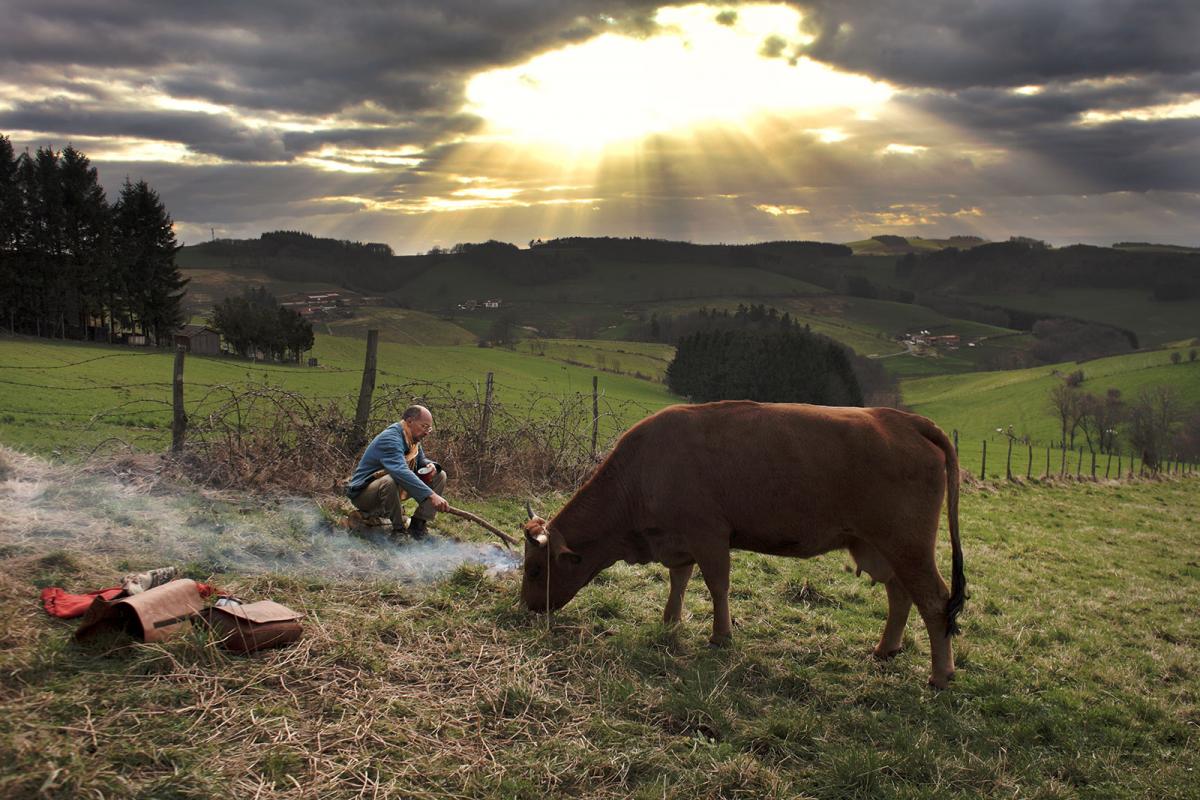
pixel 68 606
pixel 59 603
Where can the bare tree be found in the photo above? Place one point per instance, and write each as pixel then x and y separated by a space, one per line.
pixel 1098 419
pixel 1065 402
pixel 1153 420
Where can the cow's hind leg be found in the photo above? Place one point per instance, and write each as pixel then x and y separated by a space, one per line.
pixel 899 604
pixel 929 592
pixel 870 560
pixel 714 566
pixel 673 614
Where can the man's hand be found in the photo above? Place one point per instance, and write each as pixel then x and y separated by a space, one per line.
pixel 439 502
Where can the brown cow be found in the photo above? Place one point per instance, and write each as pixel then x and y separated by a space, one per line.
pixel 692 482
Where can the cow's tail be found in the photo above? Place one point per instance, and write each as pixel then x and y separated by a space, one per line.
pixel 958 578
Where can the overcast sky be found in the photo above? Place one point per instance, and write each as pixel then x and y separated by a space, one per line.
pixel 422 124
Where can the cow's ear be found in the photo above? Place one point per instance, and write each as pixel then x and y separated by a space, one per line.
pixel 569 555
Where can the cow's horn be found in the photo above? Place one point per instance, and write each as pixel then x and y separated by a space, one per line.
pixel 543 539
pixel 528 509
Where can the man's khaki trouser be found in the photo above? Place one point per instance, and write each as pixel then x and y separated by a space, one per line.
pixel 381 496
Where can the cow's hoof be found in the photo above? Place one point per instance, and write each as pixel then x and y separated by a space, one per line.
pixel 715 641
pixel 879 654
pixel 940 683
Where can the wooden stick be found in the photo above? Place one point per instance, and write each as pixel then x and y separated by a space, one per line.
pixel 458 512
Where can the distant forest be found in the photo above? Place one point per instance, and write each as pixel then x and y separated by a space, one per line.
pixel 777 361
pixel 758 353
pixel 1018 266
pixel 295 256
pixel 73 266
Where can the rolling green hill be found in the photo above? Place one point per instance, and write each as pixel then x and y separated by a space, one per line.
pixel 913 244
pixel 594 294
pixel 399 325
pixel 978 404
pixel 1154 322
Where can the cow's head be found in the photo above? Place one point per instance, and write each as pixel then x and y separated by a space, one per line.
pixel 547 557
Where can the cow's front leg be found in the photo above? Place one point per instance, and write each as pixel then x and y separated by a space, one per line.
pixel 715 568
pixel 673 614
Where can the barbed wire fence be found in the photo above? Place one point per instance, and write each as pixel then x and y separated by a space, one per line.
pixel 491 436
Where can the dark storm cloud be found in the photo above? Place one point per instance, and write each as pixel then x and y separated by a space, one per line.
pixel 301 56
pixel 242 193
pixel 390 78
pixel 954 44
pixel 1051 128
pixel 203 133
pixel 416 131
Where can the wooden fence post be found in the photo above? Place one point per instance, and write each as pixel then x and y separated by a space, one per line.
pixel 1029 466
pixel 1093 465
pixel 983 467
pixel 1079 465
pixel 486 421
pixel 1047 475
pixel 1108 465
pixel 1008 461
pixel 1062 470
pixel 179 418
pixel 956 441
pixel 359 434
pixel 595 413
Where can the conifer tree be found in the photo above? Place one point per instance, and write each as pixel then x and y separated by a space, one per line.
pixel 144 246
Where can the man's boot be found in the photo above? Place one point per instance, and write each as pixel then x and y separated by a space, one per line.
pixel 417 528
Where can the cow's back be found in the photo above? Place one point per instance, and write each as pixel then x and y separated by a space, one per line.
pixel 787 478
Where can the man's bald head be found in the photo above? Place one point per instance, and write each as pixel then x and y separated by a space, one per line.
pixel 419 421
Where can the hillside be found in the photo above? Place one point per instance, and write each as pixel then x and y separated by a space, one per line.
pixel 865 296
pixel 897 245
pixel 980 405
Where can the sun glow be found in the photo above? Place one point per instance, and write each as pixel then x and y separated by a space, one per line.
pixel 698 67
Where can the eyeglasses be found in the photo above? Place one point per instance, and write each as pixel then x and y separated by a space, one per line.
pixel 426 426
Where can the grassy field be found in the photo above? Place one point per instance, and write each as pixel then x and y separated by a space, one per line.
pixel 400 325
pixel 640 359
pixel 976 404
pixel 1155 323
pixel 1079 667
pixel 70 397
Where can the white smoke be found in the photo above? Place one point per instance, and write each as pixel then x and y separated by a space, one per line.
pixel 46 507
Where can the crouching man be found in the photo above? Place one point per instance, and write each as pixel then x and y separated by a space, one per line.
pixel 387 475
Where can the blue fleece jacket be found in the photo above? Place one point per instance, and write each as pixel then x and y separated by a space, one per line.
pixel 386 451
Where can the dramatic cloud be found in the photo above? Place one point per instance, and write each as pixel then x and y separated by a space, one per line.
pixel 431 123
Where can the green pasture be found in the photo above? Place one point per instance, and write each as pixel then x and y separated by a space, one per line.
pixel 1078 670
pixel 1154 322
pixel 976 404
pixel 71 397
pixel 397 325
pixel 646 359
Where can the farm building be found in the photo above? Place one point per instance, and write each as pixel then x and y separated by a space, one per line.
pixel 199 339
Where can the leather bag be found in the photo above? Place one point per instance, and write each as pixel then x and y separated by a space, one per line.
pixel 150 616
pixel 254 626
